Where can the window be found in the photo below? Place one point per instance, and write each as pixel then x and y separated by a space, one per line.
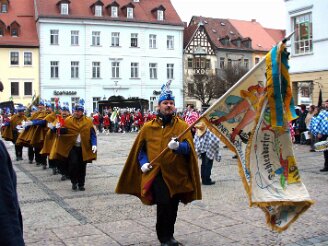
pixel 246 63
pixel 170 42
pixel 74 101
pixel 74 69
pixel 115 69
pixel 152 41
pixel 115 39
pixel 1 31
pixel 153 70
pixel 54 69
pixel 190 63
pixel 14 88
pixel 4 8
pixel 222 62
pixel 114 11
pixel 27 58
pixel 54 37
pixel 303 33
pixel 191 89
pixel 129 13
pixel 95 103
pixel 257 60
pixel 74 37
pixel 208 64
pixel 134 39
pixel 96 38
pixel 64 8
pixel 160 15
pixel 134 70
pixel 170 71
pixel 14 58
pixel 27 88
pixel 14 31
pixel 98 10
pixel 96 70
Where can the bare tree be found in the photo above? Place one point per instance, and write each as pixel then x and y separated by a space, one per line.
pixel 206 87
pixel 228 76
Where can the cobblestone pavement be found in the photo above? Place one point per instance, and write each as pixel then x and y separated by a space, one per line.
pixel 53 214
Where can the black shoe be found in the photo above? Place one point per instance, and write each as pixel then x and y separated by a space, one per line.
pixel 324 170
pixel 74 186
pixel 234 157
pixel 38 164
pixel 312 150
pixel 63 178
pixel 81 188
pixel 54 171
pixel 208 183
pixel 174 242
pixel 44 166
pixel 30 161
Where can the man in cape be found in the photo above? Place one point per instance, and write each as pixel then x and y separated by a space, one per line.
pixel 77 143
pixel 168 180
pixel 11 130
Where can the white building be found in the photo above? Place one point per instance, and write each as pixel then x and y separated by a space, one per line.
pixel 309 49
pixel 97 49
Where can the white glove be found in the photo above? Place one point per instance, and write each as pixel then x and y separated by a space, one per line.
pixel 58 125
pixel 50 125
pixel 173 144
pixel 94 149
pixel 28 123
pixel 146 167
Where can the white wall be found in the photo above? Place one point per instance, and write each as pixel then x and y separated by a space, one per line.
pixel 317 61
pixel 85 85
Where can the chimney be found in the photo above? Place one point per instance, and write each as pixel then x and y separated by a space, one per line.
pixel 253 20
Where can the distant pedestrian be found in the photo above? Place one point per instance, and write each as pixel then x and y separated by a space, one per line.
pixel 207 147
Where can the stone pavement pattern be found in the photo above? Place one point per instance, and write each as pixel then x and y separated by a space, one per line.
pixel 53 214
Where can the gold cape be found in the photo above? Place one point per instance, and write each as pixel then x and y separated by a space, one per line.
pixel 180 173
pixel 15 120
pixel 25 136
pixel 50 137
pixel 65 142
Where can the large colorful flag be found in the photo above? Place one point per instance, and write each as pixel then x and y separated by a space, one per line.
pixel 252 120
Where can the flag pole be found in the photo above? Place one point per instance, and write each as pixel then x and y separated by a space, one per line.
pixel 245 76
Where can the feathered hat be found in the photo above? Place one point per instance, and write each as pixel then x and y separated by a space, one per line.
pixel 65 106
pixel 166 93
pixel 80 105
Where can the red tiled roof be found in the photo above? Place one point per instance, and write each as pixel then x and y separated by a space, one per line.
pixel 261 39
pixel 142 10
pixel 276 34
pixel 23 14
pixel 188 33
pixel 219 28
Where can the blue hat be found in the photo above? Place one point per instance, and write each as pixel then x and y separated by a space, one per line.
pixel 41 102
pixel 80 105
pixel 21 109
pixel 33 108
pixel 65 106
pixel 47 104
pixel 166 93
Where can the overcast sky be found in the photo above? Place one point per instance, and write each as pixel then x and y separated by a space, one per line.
pixel 270 13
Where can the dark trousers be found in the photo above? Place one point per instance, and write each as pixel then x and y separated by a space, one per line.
pixel 52 163
pixel 206 168
pixel 63 167
pixel 77 167
pixel 30 153
pixel 325 153
pixel 18 149
pixel 167 209
pixel 42 159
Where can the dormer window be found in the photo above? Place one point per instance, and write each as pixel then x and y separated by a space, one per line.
pixel 129 13
pixel 158 12
pixel 64 9
pixel 1 31
pixel 14 29
pixel 4 7
pixel 98 10
pixel 114 11
pixel 2 28
pixel 160 15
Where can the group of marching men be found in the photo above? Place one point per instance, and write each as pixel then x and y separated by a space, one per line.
pixel 68 141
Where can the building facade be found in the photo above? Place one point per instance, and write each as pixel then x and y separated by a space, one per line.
pixel 19 52
pixel 308 48
pixel 98 49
